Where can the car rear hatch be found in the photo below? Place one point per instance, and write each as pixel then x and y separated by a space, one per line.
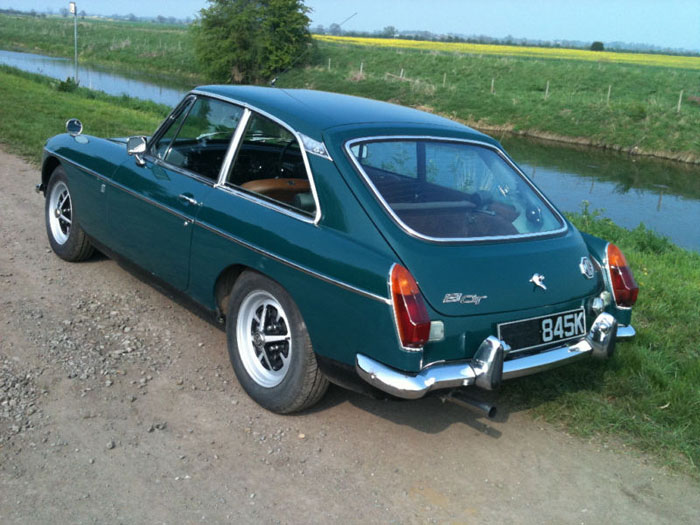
pixel 487 278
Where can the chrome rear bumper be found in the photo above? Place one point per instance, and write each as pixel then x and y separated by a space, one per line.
pixel 487 368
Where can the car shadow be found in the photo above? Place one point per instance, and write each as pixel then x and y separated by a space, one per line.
pixel 432 415
pixel 429 415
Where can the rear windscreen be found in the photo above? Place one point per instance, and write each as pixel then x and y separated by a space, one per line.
pixel 452 190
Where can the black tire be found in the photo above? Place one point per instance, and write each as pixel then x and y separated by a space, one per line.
pixel 68 241
pixel 298 383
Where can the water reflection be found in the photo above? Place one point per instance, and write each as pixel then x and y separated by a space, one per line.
pixel 663 195
pixel 90 77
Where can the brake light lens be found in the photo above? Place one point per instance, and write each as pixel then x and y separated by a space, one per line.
pixel 412 318
pixel 624 286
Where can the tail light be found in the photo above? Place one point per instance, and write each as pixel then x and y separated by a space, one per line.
pixel 412 318
pixel 624 286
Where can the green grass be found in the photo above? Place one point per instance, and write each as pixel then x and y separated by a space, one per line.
pixel 641 113
pixel 158 51
pixel 647 395
pixel 34 109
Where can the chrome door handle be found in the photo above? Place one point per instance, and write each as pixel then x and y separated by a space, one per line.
pixel 188 199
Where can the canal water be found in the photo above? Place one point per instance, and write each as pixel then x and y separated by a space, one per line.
pixel 90 77
pixel 663 195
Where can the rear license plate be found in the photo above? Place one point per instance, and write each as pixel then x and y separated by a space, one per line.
pixel 543 330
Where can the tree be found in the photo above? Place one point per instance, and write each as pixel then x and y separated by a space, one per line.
pixel 335 29
pixel 597 46
pixel 63 11
pixel 388 32
pixel 248 41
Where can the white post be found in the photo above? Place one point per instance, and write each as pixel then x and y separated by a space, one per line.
pixel 362 66
pixel 680 99
pixel 329 64
pixel 444 79
pixel 493 81
pixel 401 74
pixel 74 11
pixel 546 91
pixel 607 101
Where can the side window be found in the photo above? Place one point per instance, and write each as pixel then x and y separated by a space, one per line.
pixel 198 139
pixel 160 148
pixel 269 164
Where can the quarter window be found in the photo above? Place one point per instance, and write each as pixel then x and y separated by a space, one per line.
pixel 269 164
pixel 198 138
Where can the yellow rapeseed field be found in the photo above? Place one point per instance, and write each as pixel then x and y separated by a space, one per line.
pixel 644 59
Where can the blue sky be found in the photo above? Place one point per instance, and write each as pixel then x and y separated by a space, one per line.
pixel 668 23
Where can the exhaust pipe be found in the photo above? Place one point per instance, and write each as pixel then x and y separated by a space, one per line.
pixel 460 398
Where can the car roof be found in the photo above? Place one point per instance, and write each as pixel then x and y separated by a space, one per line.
pixel 312 112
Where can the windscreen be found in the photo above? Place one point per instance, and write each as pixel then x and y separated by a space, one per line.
pixel 452 190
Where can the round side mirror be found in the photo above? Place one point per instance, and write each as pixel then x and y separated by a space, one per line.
pixel 74 127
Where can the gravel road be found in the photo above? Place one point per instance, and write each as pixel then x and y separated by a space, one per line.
pixel 118 405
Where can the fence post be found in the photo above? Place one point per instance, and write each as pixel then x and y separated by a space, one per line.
pixel 444 79
pixel 493 81
pixel 329 64
pixel 546 91
pixel 401 74
pixel 607 100
pixel 680 99
pixel 362 66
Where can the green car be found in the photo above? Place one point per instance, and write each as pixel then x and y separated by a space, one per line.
pixel 344 240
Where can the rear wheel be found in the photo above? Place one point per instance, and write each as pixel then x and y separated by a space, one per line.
pixel 270 348
pixel 67 238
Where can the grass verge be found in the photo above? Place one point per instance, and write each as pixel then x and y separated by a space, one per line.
pixel 155 51
pixel 647 395
pixel 555 99
pixel 553 95
pixel 34 108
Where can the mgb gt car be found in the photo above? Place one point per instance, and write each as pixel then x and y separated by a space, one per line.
pixel 343 239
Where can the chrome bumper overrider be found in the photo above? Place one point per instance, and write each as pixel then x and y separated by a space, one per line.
pixel 488 367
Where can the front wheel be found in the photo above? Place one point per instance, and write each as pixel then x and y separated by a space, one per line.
pixel 270 348
pixel 67 238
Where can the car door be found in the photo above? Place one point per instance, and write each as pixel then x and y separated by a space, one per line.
pixel 151 218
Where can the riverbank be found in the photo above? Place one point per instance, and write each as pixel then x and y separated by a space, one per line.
pixel 627 107
pixel 646 397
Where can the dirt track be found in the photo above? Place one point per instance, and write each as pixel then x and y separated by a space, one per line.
pixel 117 405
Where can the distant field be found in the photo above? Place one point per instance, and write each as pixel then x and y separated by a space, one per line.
pixel 622 101
pixel 643 59
pixel 551 98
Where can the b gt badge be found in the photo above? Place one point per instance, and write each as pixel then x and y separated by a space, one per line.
pixel 586 267
pixel 463 298
pixel 538 280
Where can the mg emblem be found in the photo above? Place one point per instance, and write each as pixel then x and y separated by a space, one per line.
pixel 586 267
pixel 538 280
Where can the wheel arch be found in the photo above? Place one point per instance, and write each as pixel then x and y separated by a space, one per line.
pixel 47 168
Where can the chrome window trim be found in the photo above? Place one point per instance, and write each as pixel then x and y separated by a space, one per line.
pixel 291 264
pixel 232 152
pixel 163 126
pixel 297 136
pixel 413 233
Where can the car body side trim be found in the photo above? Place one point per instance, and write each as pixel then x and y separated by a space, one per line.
pixel 294 265
pixel 124 188
pixel 230 237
